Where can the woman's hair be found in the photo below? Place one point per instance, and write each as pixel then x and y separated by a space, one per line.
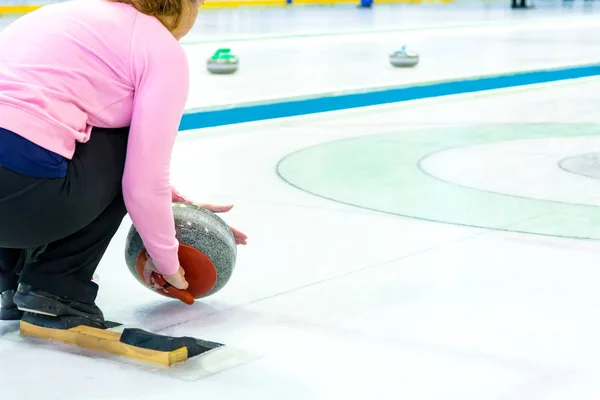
pixel 171 9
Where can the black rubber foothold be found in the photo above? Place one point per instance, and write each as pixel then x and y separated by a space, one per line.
pixel 151 341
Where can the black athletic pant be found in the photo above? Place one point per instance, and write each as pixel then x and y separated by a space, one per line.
pixel 53 232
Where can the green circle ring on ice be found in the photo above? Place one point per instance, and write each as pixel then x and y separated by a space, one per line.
pixel 382 173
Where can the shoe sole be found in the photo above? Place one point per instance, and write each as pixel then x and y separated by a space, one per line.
pixel 63 322
pixel 35 304
pixel 37 312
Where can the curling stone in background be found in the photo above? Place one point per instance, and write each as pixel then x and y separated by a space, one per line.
pixel 223 62
pixel 404 58
pixel 207 251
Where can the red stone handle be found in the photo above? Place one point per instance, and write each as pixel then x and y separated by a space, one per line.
pixel 182 295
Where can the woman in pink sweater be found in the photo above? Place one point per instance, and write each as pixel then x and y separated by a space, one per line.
pixel 91 96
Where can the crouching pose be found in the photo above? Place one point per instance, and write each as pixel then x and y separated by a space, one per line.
pixel 91 96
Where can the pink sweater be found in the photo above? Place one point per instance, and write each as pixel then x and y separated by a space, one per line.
pixel 72 66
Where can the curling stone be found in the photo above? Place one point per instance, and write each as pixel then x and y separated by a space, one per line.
pixel 207 251
pixel 222 62
pixel 404 58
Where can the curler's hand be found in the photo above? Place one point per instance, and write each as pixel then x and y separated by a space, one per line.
pixel 240 237
pixel 177 279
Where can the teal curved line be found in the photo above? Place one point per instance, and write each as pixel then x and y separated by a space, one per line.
pixel 468 187
pixel 381 173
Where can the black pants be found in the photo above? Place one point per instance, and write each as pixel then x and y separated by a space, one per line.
pixel 54 232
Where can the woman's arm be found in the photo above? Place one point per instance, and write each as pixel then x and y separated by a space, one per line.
pixel 160 73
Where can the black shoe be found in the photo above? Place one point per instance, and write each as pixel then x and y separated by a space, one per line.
pixel 9 310
pixel 36 301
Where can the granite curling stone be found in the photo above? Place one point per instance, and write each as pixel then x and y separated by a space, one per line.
pixel 404 58
pixel 207 251
pixel 223 62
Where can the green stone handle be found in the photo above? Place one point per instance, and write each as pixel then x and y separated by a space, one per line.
pixel 222 54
